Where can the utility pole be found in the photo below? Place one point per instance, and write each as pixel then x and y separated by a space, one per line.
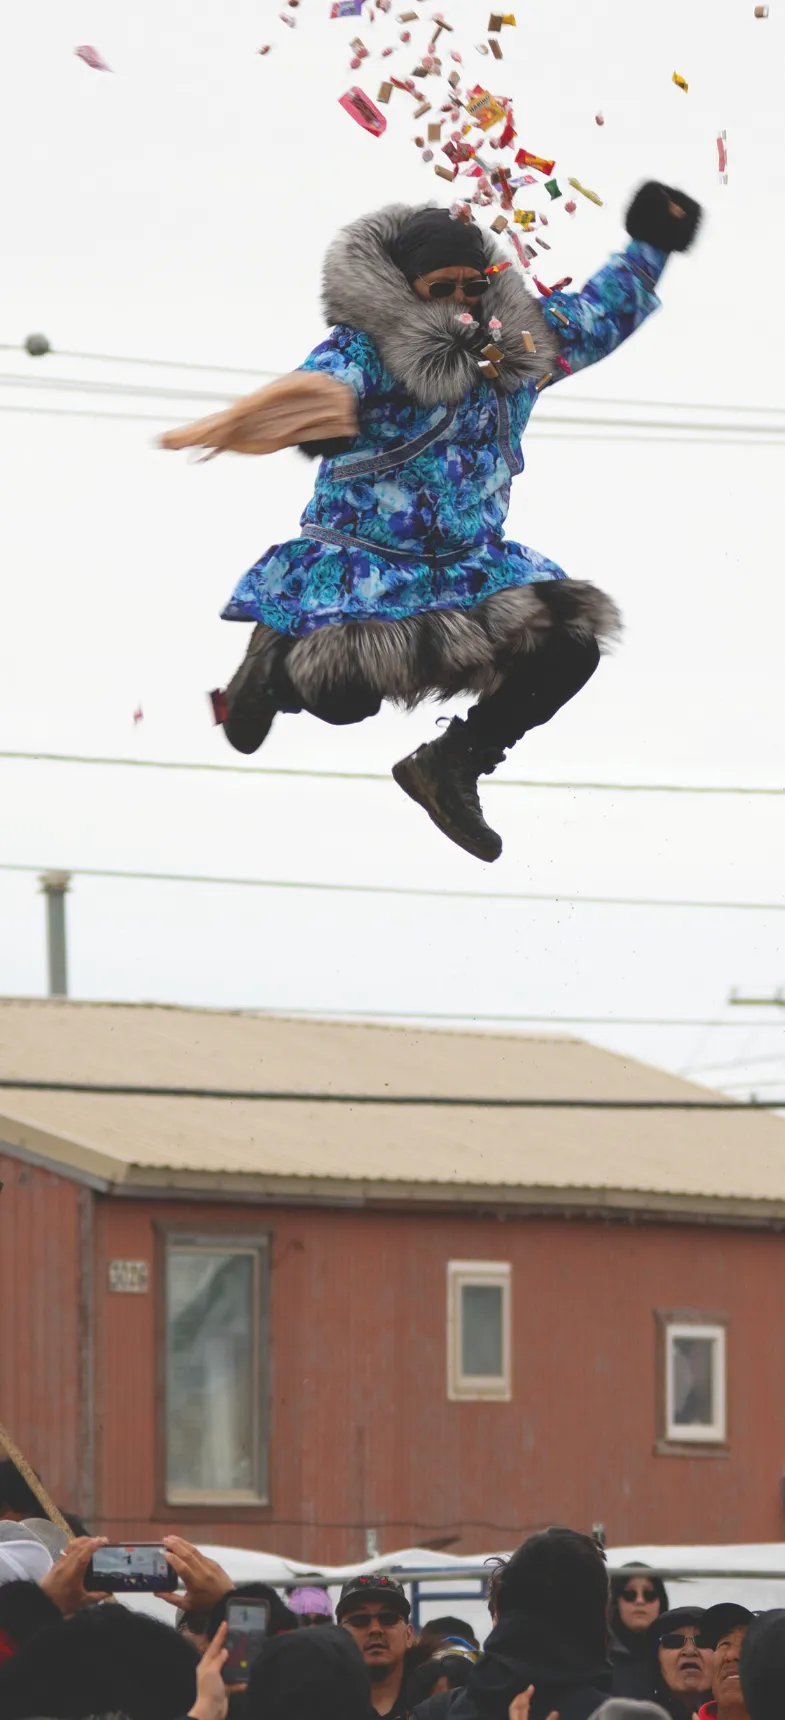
pixel 54 886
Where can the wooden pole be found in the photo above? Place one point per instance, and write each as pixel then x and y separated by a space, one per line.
pixel 36 1486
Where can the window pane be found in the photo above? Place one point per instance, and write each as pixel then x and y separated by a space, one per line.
pixel 481 1330
pixel 692 1360
pixel 210 1371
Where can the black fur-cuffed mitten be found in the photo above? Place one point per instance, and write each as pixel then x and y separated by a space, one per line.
pixel 651 219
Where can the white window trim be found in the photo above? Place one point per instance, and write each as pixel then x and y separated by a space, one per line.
pixel 716 1433
pixel 472 1388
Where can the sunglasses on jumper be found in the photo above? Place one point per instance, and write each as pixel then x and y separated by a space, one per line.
pixel 646 1595
pixel 470 289
pixel 386 1619
pixel 680 1639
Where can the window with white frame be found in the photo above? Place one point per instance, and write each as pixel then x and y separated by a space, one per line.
pixel 216 1370
pixel 695 1382
pixel 478 1330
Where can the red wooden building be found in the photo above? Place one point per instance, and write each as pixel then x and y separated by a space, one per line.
pixel 287 1322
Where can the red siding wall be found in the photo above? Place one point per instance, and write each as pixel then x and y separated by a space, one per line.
pixel 362 1432
pixel 40 1372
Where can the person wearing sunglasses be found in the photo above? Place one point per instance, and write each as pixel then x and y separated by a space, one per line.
pixel 375 1610
pixel 402 584
pixel 681 1661
pixel 637 1599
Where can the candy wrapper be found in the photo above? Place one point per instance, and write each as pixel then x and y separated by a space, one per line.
pixel 361 109
pixel 483 108
pixel 592 195
pixel 681 83
pixel 346 9
pixel 524 158
pixel 92 58
pixel 722 157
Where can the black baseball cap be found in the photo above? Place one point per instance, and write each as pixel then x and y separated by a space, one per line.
pixel 373 1587
pixel 726 1615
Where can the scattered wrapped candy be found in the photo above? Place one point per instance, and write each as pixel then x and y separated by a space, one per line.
pixel 499 224
pixel 346 9
pixel 543 243
pixel 384 92
pixel 359 48
pixel 405 36
pixel 599 119
pixel 466 320
pixel 361 109
pixel 92 58
pixel 592 195
pixel 497 268
pixel 558 286
pixel 427 155
pixel 571 206
pixel 138 714
pixel 265 49
pixel 518 247
pixel 386 52
pixel 722 157
pixel 483 108
pixel 761 11
pixel 552 188
pixel 543 220
pixel 528 343
pixel 496 48
pixel 286 18
pixel 524 218
pixel 494 325
pixel 681 83
pixel 524 158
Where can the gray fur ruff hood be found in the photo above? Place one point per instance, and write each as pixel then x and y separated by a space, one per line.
pixel 420 341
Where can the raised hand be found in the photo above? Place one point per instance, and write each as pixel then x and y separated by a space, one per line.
pixel 306 406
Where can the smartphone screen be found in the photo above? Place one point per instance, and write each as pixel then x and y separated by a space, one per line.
pixel 136 1568
pixel 247 1621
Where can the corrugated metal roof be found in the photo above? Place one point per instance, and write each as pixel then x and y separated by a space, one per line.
pixel 658 1160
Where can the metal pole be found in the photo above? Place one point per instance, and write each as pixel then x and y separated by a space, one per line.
pixel 54 886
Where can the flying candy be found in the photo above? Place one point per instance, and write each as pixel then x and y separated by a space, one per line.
pixel 346 9
pixel 360 108
pixel 524 158
pixel 552 187
pixel 681 83
pixel 599 119
pixel 92 58
pixel 722 157
pixel 592 195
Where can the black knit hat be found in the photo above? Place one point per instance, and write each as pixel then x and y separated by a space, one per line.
pixel 434 239
pixel 315 1672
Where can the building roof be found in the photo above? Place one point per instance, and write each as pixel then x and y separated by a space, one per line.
pixel 723 1163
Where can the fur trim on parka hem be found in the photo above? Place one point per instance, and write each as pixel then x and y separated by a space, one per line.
pixel 421 341
pixel 438 654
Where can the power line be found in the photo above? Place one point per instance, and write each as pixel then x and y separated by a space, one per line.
pixel 475 1102
pixel 476 1015
pixel 77 385
pixel 252 370
pixel 384 776
pixel 539 435
pixel 342 888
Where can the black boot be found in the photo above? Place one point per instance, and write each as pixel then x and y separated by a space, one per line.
pixel 255 693
pixel 442 777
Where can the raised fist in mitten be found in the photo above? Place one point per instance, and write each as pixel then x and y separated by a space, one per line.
pixel 661 216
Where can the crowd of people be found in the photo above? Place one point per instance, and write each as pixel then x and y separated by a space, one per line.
pixel 565 1643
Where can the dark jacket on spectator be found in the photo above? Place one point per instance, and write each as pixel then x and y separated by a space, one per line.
pixel 520 1651
pixel 105 1660
pixel 630 1650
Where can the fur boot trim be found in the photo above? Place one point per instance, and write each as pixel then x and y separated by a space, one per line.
pixel 439 653
pixel 421 341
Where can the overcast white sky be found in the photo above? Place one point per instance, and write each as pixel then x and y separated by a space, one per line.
pixel 179 209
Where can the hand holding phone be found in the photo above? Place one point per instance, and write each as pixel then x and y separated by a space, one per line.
pixel 140 1567
pixel 247 1620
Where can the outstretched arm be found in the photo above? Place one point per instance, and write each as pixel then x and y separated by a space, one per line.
pixel 303 407
pixel 592 323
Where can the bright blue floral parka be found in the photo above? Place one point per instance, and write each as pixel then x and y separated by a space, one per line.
pixel 412 518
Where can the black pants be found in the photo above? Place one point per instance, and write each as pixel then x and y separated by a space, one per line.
pixel 533 690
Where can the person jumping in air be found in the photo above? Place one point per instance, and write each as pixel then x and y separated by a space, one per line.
pixel 401 584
